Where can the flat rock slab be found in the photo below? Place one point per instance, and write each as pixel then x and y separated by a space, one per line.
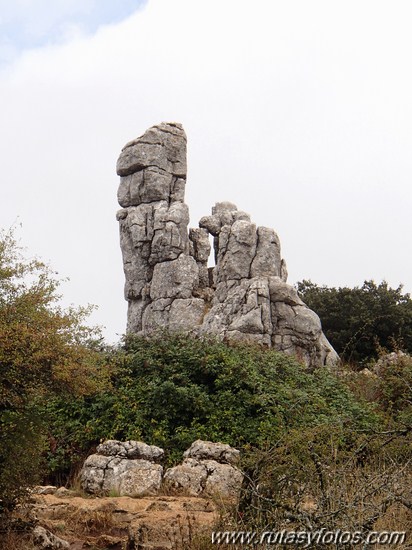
pixel 150 521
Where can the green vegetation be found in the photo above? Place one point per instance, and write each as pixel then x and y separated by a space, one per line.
pixel 339 439
pixel 171 390
pixel 44 351
pixel 359 322
pixel 340 477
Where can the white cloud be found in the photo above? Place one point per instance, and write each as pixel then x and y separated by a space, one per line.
pixel 26 24
pixel 297 111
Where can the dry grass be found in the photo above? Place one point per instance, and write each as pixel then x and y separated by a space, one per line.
pixel 15 540
pixel 83 521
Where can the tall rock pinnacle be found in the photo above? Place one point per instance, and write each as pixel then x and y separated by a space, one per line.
pixel 168 283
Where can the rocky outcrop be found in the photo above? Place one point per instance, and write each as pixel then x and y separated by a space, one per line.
pixel 129 469
pixel 161 275
pixel 126 469
pixel 245 296
pixel 208 469
pixel 120 523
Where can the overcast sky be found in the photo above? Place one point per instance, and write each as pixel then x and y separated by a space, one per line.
pixel 299 112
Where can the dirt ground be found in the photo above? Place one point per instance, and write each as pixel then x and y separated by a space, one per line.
pixel 117 523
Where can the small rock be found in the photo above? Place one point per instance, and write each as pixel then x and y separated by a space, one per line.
pixel 45 540
pixel 207 450
pixel 44 490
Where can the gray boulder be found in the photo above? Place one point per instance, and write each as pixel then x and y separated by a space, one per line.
pixel 207 450
pixel 124 468
pixel 162 146
pixel 204 478
pixel 188 478
pixel 45 540
pixel 208 469
pixel 130 449
pixel 44 489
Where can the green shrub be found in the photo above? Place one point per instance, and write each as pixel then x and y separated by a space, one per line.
pixel 395 385
pixel 21 444
pixel 171 390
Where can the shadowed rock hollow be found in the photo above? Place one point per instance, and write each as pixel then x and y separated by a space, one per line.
pixel 168 282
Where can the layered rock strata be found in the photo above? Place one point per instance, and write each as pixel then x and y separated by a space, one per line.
pixel 168 282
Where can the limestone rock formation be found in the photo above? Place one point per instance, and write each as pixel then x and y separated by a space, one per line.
pixel 168 282
pixel 207 469
pixel 130 449
pixel 148 523
pixel 128 469
pixel 208 450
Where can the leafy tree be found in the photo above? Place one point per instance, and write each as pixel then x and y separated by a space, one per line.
pixel 44 350
pixel 360 321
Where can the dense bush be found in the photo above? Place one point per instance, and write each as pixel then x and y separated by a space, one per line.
pixel 315 453
pixel 171 390
pixel 340 476
pixel 360 321
pixel 314 479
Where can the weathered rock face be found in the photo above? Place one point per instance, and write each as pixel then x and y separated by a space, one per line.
pixel 207 469
pixel 130 449
pixel 44 539
pixel 126 468
pixel 129 469
pixel 153 230
pixel 148 523
pixel 168 284
pixel 208 450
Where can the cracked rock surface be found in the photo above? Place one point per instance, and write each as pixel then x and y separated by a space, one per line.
pixel 44 539
pixel 129 468
pixel 169 285
pixel 125 468
pixel 207 469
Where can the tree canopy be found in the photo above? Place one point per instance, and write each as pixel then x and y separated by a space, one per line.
pixel 44 350
pixel 362 320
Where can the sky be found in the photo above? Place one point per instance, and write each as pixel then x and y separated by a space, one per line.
pixel 298 112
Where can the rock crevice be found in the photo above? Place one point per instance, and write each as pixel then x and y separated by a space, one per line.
pixel 168 282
